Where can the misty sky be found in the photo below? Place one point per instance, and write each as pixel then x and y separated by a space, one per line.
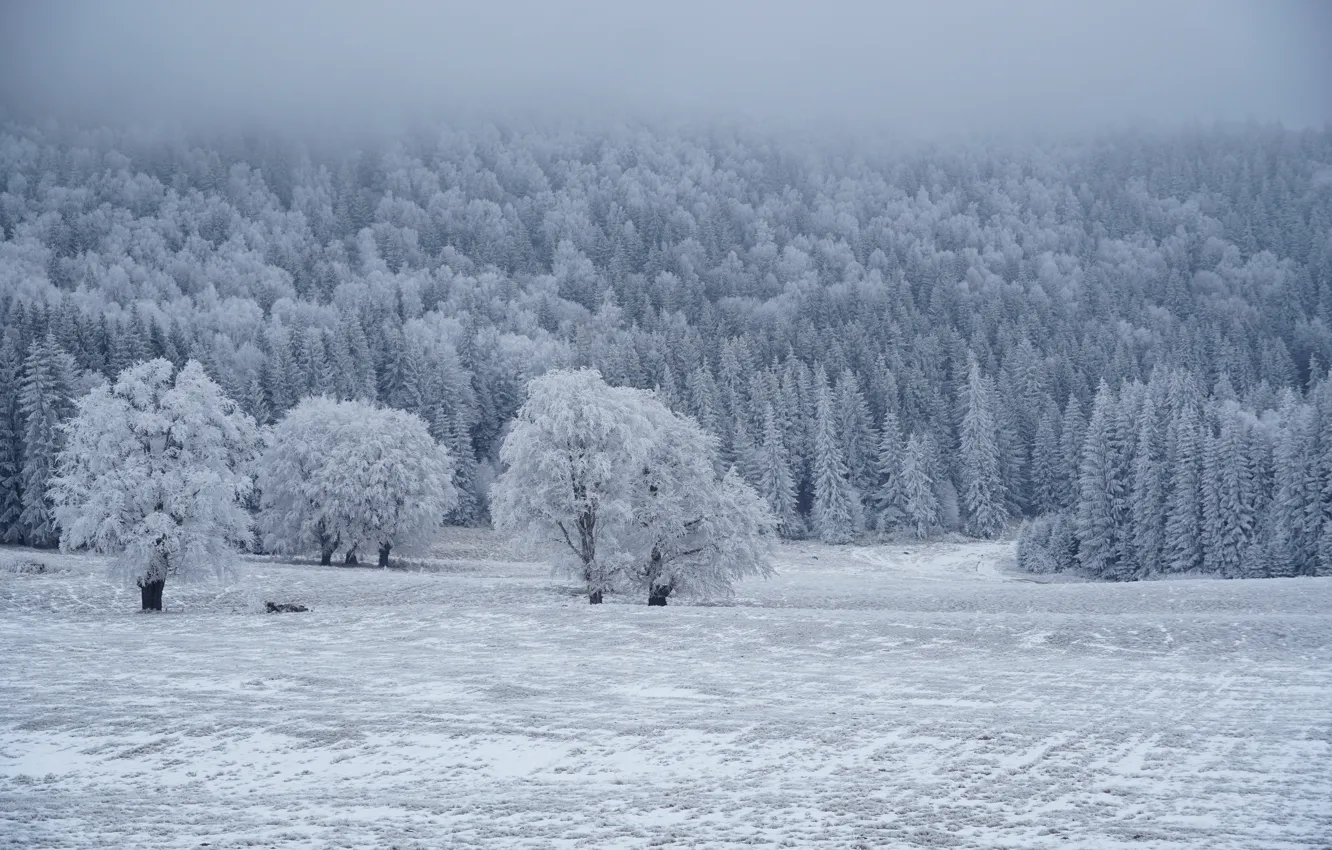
pixel 925 68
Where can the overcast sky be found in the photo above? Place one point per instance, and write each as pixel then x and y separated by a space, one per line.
pixel 932 67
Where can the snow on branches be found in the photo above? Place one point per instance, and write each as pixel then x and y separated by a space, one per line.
pixel 622 493
pixel 346 474
pixel 154 470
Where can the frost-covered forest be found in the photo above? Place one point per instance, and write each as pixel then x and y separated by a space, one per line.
pixel 1123 340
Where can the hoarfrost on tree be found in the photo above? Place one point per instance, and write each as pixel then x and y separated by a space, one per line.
pixel 154 471
pixel 621 492
pixel 572 459
pixel 342 474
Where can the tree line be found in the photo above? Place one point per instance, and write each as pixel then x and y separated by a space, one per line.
pixel 907 341
pixel 1171 480
pixel 166 474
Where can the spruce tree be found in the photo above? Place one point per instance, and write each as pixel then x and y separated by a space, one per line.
pixel 1183 534
pixel 1072 432
pixel 1210 493
pixel 855 427
pixel 1102 488
pixel 46 401
pixel 835 501
pixel 1291 552
pixel 982 488
pixel 1236 497
pixel 11 439
pixel 407 388
pixel 774 476
pixel 889 498
pixel 1151 481
pixel 282 388
pixel 1046 484
pixel 920 504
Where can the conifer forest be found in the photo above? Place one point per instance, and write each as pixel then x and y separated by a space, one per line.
pixel 1119 344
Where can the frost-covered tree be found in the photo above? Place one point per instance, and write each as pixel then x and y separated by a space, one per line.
pixel 983 489
pixel 1150 485
pixel 45 401
pixel 11 440
pixel 621 491
pixel 1046 482
pixel 302 488
pixel 1072 433
pixel 854 426
pixel 1183 518
pixel 1292 540
pixel 573 462
pixel 403 481
pixel 889 498
pixel 343 474
pixel 696 534
pixel 775 484
pixel 154 471
pixel 1234 508
pixel 1103 490
pixel 920 504
pixel 836 503
pixel 341 270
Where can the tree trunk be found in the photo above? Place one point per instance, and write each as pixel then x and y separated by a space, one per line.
pixel 383 554
pixel 350 558
pixel 594 597
pixel 657 593
pixel 150 593
pixel 327 543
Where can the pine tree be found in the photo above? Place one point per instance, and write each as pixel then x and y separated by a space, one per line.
pixel 283 388
pixel 743 454
pixel 1046 484
pixel 407 389
pixel 458 439
pixel 774 476
pixel 46 401
pixel 1237 498
pixel 1323 496
pixel 1072 432
pixel 1183 534
pixel 1209 488
pixel 982 492
pixel 256 399
pixel 11 440
pixel 889 498
pixel 1151 481
pixel 1318 505
pixel 1102 488
pixel 703 404
pixel 835 501
pixel 921 505
pixel 1292 549
pixel 853 423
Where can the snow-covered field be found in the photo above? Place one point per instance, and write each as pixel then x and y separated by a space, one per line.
pixel 895 696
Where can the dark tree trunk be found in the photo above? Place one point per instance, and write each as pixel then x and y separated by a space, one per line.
pixel 327 544
pixel 594 597
pixel 350 558
pixel 657 593
pixel 383 554
pixel 150 593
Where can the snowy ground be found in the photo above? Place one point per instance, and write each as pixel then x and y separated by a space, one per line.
pixel 899 696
